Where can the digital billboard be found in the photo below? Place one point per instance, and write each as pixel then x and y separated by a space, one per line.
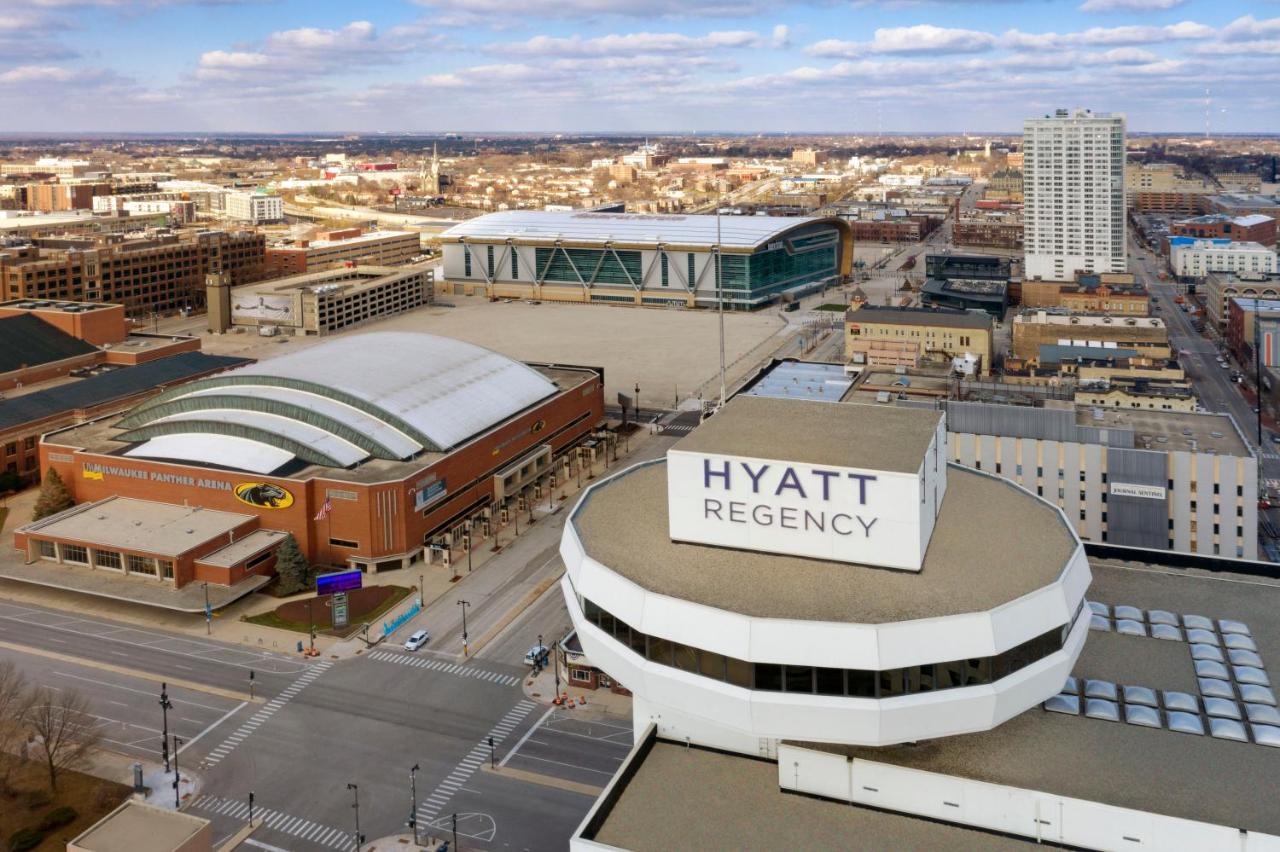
pixel 338 581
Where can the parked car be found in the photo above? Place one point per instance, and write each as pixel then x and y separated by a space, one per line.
pixel 417 640
pixel 537 655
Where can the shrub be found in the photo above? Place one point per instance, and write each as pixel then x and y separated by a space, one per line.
pixel 58 817
pixel 24 839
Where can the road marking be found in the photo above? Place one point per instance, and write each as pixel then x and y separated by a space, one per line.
pixel 260 661
pixel 234 739
pixel 431 808
pixel 526 736
pixel 111 667
pixel 185 701
pixel 445 668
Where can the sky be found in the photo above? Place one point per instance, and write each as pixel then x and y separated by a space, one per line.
pixel 749 66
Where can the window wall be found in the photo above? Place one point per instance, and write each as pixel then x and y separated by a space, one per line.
pixel 816 680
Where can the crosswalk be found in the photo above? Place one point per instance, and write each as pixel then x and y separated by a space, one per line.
pixel 445 667
pixel 430 809
pixel 265 712
pixel 296 827
pixel 677 429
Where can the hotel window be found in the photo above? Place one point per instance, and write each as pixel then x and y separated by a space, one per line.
pixel 109 559
pixel 48 550
pixel 75 553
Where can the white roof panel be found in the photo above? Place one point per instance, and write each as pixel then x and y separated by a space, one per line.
pixel 581 226
pixel 325 443
pixel 446 389
pixel 221 450
pixel 393 439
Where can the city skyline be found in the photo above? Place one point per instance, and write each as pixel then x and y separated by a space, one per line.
pixel 618 65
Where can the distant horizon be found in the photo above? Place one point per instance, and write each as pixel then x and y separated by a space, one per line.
pixel 340 135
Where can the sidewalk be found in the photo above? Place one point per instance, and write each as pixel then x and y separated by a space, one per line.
pixel 586 703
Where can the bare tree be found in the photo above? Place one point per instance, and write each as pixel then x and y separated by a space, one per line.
pixel 65 731
pixel 15 705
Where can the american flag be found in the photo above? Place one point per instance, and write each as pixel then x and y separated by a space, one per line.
pixel 324 510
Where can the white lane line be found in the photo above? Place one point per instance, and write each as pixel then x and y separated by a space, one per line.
pixel 526 736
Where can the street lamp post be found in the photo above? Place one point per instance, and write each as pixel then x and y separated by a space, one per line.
pixel 493 754
pixel 555 661
pixel 177 793
pixel 355 790
pixel 311 631
pixel 165 706
pixel 208 613
pixel 464 605
pixel 250 807
pixel 413 794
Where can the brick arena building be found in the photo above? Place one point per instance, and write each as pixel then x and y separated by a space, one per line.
pixel 370 449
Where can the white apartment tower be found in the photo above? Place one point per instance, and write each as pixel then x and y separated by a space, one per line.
pixel 1073 185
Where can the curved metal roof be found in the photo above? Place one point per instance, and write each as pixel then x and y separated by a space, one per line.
pixel 387 395
pixel 214 449
pixel 580 226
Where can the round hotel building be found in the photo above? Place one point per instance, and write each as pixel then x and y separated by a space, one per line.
pixel 817 571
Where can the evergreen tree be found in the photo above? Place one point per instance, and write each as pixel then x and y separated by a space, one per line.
pixel 292 567
pixel 54 497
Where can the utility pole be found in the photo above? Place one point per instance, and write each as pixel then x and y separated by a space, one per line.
pixel 720 300
pixel 355 790
pixel 464 604
pixel 177 793
pixel 413 794
pixel 555 657
pixel 165 707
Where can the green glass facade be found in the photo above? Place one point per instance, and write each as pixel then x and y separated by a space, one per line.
pixel 598 266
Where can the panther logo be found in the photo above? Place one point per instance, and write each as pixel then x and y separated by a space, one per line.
pixel 263 495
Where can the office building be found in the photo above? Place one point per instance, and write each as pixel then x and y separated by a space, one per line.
pixel 1193 257
pixel 639 259
pixel 319 302
pixel 160 273
pixel 967 282
pixel 892 336
pixel 254 207
pixel 405 440
pixel 1074 213
pixel 61 197
pixel 1220 288
pixel 1033 328
pixel 338 248
pixel 1001 230
pixel 1243 328
pixel 1255 228
pixel 1118 294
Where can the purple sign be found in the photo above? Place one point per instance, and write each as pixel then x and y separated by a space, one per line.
pixel 338 581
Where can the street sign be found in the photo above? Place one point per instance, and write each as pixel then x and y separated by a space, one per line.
pixel 339 581
pixel 340 609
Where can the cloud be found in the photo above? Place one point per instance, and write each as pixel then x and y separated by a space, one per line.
pixel 356 35
pixel 496 13
pixel 781 36
pixel 630 44
pixel 37 74
pixel 921 38
pixel 1128 5
pixel 1248 28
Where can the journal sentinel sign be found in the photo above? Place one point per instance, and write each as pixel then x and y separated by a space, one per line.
pixel 843 514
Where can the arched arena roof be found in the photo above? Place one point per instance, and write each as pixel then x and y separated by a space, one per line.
pixel 740 232
pixel 388 395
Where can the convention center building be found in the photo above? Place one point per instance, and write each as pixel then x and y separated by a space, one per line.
pixel 368 448
pixel 644 259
